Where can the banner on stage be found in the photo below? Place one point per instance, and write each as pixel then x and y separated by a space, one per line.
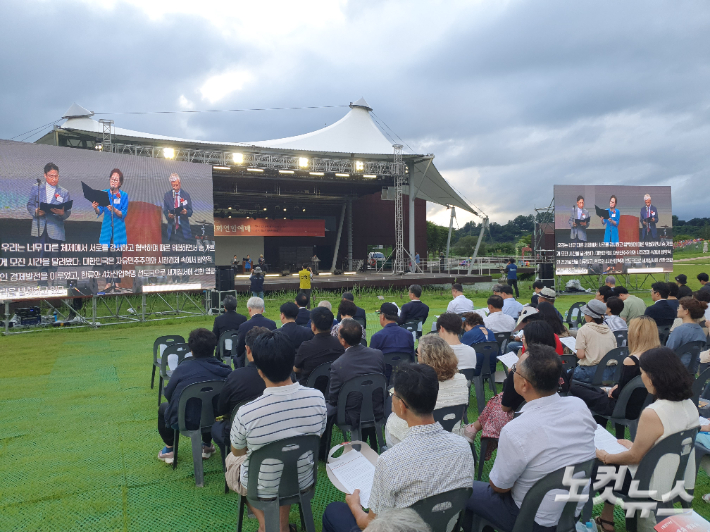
pixel 264 227
pixel 613 229
pixel 78 223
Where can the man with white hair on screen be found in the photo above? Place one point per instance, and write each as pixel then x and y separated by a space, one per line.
pixel 177 208
pixel 649 219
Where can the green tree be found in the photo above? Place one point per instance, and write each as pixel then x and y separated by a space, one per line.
pixel 465 246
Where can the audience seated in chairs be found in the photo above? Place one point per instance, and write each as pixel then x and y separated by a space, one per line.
pixel 496 321
pixel 448 325
pixel 323 348
pixel 201 366
pixel 346 310
pixel 633 305
pixel 427 462
pixel 477 333
pixel 229 320
pixel 552 432
pixel 304 315
pixel 614 307
pixel 501 407
pixel 295 333
pixel 392 338
pixel 643 336
pixel 690 310
pixel 285 409
pixel 453 389
pixel 329 306
pixel 673 411
pixel 460 303
pixel 594 340
pixel 255 307
pixel 661 311
pixel 360 313
pixel 415 309
pixel 241 385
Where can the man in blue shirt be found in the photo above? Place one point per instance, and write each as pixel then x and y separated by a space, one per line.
pixel 510 306
pixel 512 270
pixel 392 338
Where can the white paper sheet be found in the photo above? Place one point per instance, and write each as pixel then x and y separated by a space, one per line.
pixel 355 471
pixel 571 342
pixel 604 441
pixel 482 312
pixel 508 359
pixel 703 421
pixel 227 344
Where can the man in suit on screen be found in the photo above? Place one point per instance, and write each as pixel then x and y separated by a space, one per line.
pixel 177 208
pixel 579 221
pixel 649 219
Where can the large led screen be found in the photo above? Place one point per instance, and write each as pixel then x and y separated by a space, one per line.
pixel 613 229
pixel 78 223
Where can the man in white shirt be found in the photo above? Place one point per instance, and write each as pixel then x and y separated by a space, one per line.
pixel 460 303
pixel 510 306
pixel 496 321
pixel 551 433
pixel 449 325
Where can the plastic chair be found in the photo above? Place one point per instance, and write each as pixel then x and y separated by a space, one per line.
pixel 699 385
pixel 363 342
pixel 361 322
pixel 502 338
pixel 689 355
pixel 321 372
pixel 569 361
pixel 622 338
pixel 533 499
pixel 618 354
pixel 575 318
pixel 227 346
pixel 618 416
pixel 180 350
pixel 206 392
pixel 449 416
pixel 414 327
pixel 664 331
pixel 468 373
pixel 160 344
pixel 287 451
pixel 489 350
pixel 394 360
pixel 439 510
pixel 367 385
pixel 223 449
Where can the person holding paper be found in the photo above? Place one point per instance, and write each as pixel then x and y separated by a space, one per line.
pixel 284 410
pixel 664 376
pixel 113 225
pixel 429 461
pixel 48 226
pixel 611 224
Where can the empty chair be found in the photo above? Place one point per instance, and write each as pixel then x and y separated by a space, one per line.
pixel 618 416
pixel 227 346
pixel 439 510
pixel 367 386
pixel 173 355
pixel 207 393
pixel 575 318
pixel 449 416
pixel 289 452
pixel 689 354
pixel 158 347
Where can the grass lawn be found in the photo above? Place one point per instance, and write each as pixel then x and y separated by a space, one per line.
pixel 78 438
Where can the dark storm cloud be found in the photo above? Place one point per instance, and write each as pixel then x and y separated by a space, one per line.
pixel 511 97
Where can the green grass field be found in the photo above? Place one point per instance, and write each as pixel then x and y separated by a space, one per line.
pixel 78 438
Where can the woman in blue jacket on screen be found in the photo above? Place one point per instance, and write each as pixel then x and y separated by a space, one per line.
pixel 113 226
pixel 611 233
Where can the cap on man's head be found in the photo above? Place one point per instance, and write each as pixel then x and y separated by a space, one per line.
pixel 594 309
pixel 389 309
pixel 682 278
pixel 548 293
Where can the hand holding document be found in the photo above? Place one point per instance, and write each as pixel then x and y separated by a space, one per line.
pixel 508 359
pixel 604 441
pixel 571 342
pixel 353 470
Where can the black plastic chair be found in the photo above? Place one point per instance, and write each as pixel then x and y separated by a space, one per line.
pixel 448 417
pixel 224 353
pixel 181 351
pixel 363 342
pixel 699 385
pixel 489 350
pixel 439 510
pixel 664 331
pixel 689 355
pixel 321 372
pixel 618 354
pixel 569 362
pixel 367 385
pixel 160 344
pixel 361 322
pixel 394 360
pixel 287 451
pixel 502 338
pixel 468 373
pixel 618 416
pixel 575 318
pixel 224 449
pixel 207 393
pixel 533 499
pixel 622 338
pixel 414 326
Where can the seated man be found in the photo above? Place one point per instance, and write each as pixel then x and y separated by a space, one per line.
pixel 552 432
pixel 326 304
pixel 243 384
pixel 614 307
pixel 460 303
pixel 415 310
pixel 511 307
pixel 255 308
pixel 201 366
pixel 604 293
pixel 295 333
pixel 392 338
pixel 548 295
pixel 323 348
pixel 303 313
pixel 229 320
pixel 537 288
pixel 683 289
pixel 633 306
pixel 449 326
pixel 496 321
pixel 284 410
pixel 429 461
pixel 360 313
pixel 661 311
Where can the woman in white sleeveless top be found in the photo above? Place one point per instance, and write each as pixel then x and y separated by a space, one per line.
pixel 664 376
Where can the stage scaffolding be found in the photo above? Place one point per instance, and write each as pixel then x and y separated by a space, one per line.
pixel 104 310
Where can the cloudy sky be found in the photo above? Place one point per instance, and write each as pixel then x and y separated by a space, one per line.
pixel 511 96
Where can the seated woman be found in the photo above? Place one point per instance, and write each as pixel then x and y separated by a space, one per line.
pixel 664 376
pixel 453 390
pixel 690 310
pixel 346 309
pixel 476 333
pixel 502 406
pixel 643 335
pixel 594 340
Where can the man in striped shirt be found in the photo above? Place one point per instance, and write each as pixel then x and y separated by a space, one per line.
pixel 285 410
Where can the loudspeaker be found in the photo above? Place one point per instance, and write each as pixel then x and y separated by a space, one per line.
pixel 225 278
pixel 546 272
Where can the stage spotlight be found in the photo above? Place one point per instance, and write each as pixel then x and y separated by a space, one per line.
pixel 264 208
pixel 99 147
pixel 317 173
pixel 284 210
pixel 304 210
pixel 286 172
pixel 254 170
pixel 229 208
pixel 359 166
pixel 342 175
pixel 238 158
pixel 229 216
pixel 169 153
pixel 303 162
pixel 370 176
